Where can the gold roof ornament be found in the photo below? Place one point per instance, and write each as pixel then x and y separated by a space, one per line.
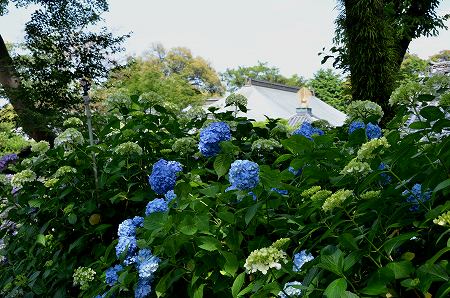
pixel 304 95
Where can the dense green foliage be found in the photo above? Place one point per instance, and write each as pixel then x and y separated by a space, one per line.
pixel 236 78
pixel 330 88
pixel 11 140
pixel 368 234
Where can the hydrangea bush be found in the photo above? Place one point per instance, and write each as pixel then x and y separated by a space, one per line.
pixel 338 212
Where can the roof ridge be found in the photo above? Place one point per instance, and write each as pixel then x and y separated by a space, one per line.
pixel 267 84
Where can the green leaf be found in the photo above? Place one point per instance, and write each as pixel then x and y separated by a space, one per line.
pixel 209 243
pixel 188 226
pixel 40 238
pixel 419 125
pixel 251 212
pixel 401 269
pixel 331 259
pixel 282 158
pixel 395 242
pixel 442 185
pixel 431 113
pixel 237 284
pixel 35 203
pixel 377 284
pixel 72 218
pixel 232 264
pixel 336 289
pixel 199 291
pixel 222 163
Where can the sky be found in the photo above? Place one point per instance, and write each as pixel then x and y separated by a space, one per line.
pixel 287 34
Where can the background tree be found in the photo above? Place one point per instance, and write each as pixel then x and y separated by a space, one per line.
pixel 330 87
pixel 412 67
pixel 41 84
pixel 236 78
pixel 11 139
pixel 372 38
pixel 443 55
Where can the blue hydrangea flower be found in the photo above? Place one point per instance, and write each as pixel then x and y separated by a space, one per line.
pixel 211 136
pixel 416 196
pixel 112 274
pixel 300 259
pixel 157 205
pixel 307 130
pixel 170 195
pixel 385 178
pixel 279 191
pixel 102 295
pixel 164 175
pixel 138 221
pixel 143 288
pixel 147 263
pixel 244 174
pixel 355 125
pixel 126 244
pixel 6 160
pixel 290 289
pixel 373 131
pixel 126 228
pixel 294 171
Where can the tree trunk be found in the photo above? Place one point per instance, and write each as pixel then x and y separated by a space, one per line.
pixel 11 84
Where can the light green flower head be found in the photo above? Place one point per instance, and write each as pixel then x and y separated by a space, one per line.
pixel 40 147
pixel 19 179
pixel 364 109
pixel 336 199
pixel 407 93
pixel 82 277
pixel 184 145
pixel 63 171
pixel 236 99
pixel 443 219
pixel 128 148
pixel 310 191
pixel 356 167
pixel 50 183
pixel 367 150
pixel 117 100
pixel 371 194
pixel 69 138
pixel 321 195
pixel 73 122
pixel 265 145
pixel 265 258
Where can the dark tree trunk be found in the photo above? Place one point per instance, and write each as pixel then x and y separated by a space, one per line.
pixel 16 95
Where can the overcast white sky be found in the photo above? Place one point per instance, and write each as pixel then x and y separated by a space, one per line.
pixel 286 33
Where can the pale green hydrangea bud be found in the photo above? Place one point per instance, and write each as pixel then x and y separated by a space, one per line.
pixel 82 277
pixel 336 199
pixel 445 100
pixel 184 145
pixel 407 93
pixel 310 191
pixel 265 145
pixel 236 99
pixel 64 170
pixel 443 219
pixel 356 167
pixel 265 258
pixel 69 138
pixel 364 109
pixel 50 183
pixel 27 162
pixel 371 194
pixel 40 147
pixel 19 179
pixel 73 122
pixel 118 100
pixel 128 148
pixel 321 195
pixel 280 243
pixel 367 149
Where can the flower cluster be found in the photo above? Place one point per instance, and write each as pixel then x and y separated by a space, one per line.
pixel 19 179
pixel 157 205
pixel 40 147
pixel 112 274
pixel 69 138
pixel 64 170
pixel 128 148
pixel 118 100
pixel 164 175
pixel 73 121
pixel 355 125
pixel 364 109
pixel 82 277
pixel 385 178
pixel 416 196
pixel 170 196
pixel 236 99
pixel 311 191
pixel 243 175
pixel 265 258
pixel 356 167
pixel 211 136
pixel 300 259
pixel 184 145
pixel 370 195
pixel 443 219
pixel 291 290
pixel 370 148
pixel 373 131
pixel 265 145
pixel 321 195
pixel 127 238
pixel 307 130
pixel 336 199
pixel 6 160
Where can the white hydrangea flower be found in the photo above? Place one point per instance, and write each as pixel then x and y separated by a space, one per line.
pixel 265 258
pixel 336 199
pixel 19 179
pixel 128 148
pixel 40 147
pixel 356 167
pixel 69 138
pixel 73 122
pixel 367 149
pixel 83 276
